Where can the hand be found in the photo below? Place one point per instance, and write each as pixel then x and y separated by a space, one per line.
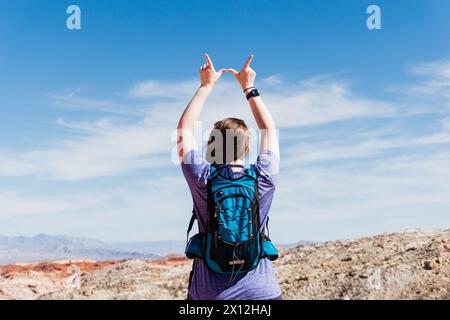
pixel 209 75
pixel 246 76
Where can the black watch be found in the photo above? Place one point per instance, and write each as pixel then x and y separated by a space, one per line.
pixel 252 94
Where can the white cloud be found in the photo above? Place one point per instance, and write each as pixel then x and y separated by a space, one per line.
pixel 434 83
pixel 333 150
pixel 446 123
pixel 438 71
pixel 14 204
pixel 154 88
pixel 101 148
pixel 107 153
pixel 321 104
pixel 11 165
pixel 273 80
pixel 74 100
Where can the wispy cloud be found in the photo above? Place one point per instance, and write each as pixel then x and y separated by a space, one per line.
pixel 344 149
pixel 273 80
pixel 73 99
pixel 431 87
pixel 158 89
pixel 98 149
pixel 438 77
pixel 446 123
pixel 324 103
pixel 16 204
pixel 12 165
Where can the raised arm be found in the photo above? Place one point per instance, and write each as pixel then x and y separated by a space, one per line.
pixel 262 115
pixel 208 77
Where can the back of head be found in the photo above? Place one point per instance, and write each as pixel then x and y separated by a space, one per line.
pixel 229 141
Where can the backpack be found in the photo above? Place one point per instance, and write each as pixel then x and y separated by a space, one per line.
pixel 233 242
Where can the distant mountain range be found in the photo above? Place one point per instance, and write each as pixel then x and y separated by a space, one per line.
pixel 301 243
pixel 48 247
pixel 160 248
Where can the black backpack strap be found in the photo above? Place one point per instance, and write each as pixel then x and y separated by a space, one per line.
pixel 191 276
pixel 267 227
pixel 210 205
pixel 191 224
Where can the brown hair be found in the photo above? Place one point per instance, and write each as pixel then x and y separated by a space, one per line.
pixel 229 141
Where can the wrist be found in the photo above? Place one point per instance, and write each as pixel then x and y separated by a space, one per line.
pixel 248 87
pixel 253 93
pixel 207 86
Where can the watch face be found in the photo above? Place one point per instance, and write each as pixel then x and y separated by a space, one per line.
pixel 253 93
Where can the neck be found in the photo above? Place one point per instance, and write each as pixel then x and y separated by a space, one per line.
pixel 239 162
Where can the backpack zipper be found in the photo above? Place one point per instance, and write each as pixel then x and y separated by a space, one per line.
pixel 251 189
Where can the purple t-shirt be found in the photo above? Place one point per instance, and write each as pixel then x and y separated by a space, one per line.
pixel 258 284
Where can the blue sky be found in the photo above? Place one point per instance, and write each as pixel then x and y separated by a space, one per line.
pixel 86 116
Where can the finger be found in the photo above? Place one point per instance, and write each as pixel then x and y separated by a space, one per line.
pixel 204 66
pixel 208 59
pixel 233 71
pixel 221 71
pixel 249 60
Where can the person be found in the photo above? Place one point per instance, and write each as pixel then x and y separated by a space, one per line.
pixel 261 282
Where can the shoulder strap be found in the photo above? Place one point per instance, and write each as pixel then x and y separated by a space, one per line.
pixel 267 227
pixel 191 276
pixel 251 172
pixel 191 224
pixel 214 170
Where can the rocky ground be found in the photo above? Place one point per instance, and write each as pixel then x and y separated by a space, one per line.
pixel 406 265
pixel 403 265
